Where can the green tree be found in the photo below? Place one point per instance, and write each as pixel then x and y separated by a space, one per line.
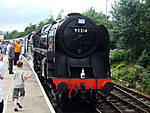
pixel 50 20
pixel 98 17
pixel 129 30
pixel 11 35
pixel 30 28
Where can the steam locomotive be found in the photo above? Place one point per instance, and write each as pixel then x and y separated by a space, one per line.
pixel 71 56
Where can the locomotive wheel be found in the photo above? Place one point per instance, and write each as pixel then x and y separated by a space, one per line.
pixel 94 96
pixel 53 97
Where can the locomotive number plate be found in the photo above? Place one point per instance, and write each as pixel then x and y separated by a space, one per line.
pixel 80 30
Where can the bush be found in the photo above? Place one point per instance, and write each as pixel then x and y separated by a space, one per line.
pixel 136 76
pixel 119 66
pixel 117 55
pixel 145 81
pixel 144 59
pixel 148 89
pixel 119 71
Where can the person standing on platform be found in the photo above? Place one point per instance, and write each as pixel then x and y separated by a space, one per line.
pixel 4 48
pixel 17 49
pixel 2 74
pixel 11 57
pixel 19 78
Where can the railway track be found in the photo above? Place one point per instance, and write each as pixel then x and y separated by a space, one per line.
pixel 105 105
pixel 137 100
pixel 125 100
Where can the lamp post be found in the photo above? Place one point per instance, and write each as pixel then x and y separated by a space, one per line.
pixel 106 8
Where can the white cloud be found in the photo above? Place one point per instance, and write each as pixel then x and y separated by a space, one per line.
pixel 57 5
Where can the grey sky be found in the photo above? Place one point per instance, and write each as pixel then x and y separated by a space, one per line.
pixel 17 14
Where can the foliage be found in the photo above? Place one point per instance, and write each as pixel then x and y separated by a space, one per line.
pixel 30 28
pixel 144 59
pixel 119 55
pixel 130 31
pixel 98 17
pixel 135 75
pixel 119 66
pixel 13 34
pixel 131 25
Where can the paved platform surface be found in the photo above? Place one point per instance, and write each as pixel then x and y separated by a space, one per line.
pixel 33 102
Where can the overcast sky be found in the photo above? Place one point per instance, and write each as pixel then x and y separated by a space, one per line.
pixel 17 14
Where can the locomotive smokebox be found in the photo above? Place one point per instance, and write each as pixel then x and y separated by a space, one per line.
pixel 62 87
pixel 77 36
pixel 108 86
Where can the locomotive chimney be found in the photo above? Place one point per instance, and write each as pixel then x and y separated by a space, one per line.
pixel 74 14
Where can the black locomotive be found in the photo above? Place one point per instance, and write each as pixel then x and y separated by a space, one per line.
pixel 72 58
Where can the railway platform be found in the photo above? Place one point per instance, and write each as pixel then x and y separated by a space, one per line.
pixel 35 100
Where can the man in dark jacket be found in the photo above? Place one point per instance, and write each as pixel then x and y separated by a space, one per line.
pixel 11 57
